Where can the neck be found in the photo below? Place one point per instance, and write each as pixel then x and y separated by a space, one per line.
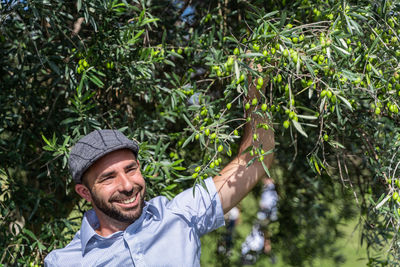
pixel 109 225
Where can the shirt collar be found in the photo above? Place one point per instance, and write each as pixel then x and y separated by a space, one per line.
pixel 90 222
pixel 153 211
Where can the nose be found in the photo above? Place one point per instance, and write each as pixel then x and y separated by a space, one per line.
pixel 125 183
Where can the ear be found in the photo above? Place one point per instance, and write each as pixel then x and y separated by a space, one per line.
pixel 83 191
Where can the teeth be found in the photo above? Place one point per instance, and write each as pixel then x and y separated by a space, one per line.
pixel 129 200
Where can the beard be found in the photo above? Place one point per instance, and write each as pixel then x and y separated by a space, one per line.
pixel 117 213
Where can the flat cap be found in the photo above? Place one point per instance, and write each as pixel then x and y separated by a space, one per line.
pixel 94 146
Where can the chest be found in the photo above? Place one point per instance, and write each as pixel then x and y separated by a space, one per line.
pixel 171 243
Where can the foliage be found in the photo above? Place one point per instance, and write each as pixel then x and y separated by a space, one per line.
pixel 175 78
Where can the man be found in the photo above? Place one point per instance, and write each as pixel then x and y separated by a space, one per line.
pixel 123 229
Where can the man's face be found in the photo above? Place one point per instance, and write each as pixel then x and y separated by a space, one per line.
pixel 116 186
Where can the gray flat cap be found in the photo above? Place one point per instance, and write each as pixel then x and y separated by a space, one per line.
pixel 94 146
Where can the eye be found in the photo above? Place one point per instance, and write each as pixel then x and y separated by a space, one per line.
pixel 107 178
pixel 132 169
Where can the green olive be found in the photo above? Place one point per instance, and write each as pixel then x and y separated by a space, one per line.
pixel 286 124
pixel 220 148
pixel 264 107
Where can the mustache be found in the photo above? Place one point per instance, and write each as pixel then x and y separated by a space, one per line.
pixel 124 194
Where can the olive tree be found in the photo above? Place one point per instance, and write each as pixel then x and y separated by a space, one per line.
pixel 175 76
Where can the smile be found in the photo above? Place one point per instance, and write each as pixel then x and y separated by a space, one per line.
pixel 130 200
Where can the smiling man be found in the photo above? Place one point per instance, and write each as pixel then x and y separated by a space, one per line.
pixel 116 189
pixel 123 229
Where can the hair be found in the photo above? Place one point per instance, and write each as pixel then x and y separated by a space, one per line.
pixel 84 179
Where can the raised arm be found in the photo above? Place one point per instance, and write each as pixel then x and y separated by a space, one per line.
pixel 236 180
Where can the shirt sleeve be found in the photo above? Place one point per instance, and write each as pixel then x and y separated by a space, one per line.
pixel 200 206
pixel 48 262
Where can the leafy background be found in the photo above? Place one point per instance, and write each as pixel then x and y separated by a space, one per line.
pixel 174 76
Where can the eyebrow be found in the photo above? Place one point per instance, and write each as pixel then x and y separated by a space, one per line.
pixel 132 165
pixel 104 175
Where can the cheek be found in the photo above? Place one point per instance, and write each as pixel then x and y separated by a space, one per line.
pixel 140 180
pixel 103 193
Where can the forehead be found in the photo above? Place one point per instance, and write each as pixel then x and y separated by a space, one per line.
pixel 118 158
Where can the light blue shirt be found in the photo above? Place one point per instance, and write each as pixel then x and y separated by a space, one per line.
pixel 166 234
